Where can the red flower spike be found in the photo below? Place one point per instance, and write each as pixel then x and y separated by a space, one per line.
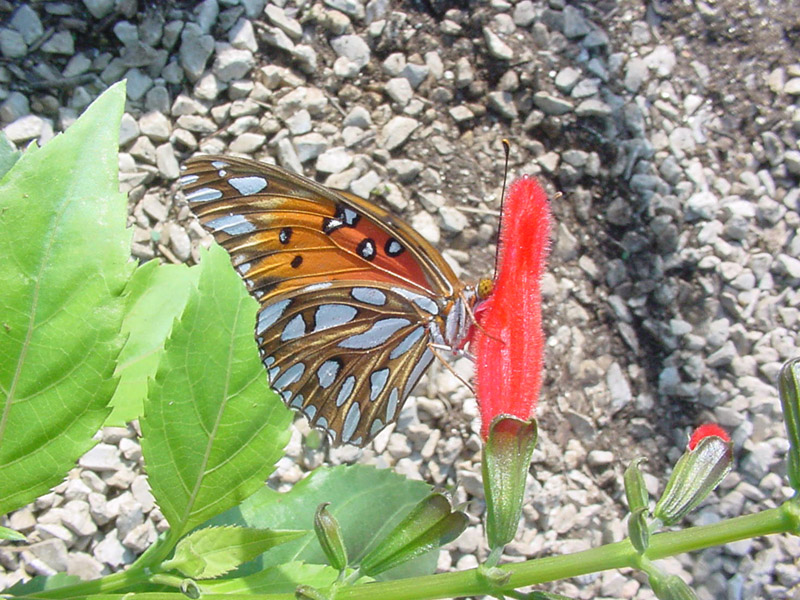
pixel 510 341
pixel 707 430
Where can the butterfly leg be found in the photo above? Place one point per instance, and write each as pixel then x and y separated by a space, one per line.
pixel 434 348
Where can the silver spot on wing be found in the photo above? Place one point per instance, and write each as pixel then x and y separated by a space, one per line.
pixel 247 186
pixel 332 315
pixel 317 286
pixel 424 302
pixel 290 375
pixel 377 381
pixel 407 342
pixel 347 388
pixel 269 315
pixel 391 405
pixel 294 329
pixel 417 371
pixel 327 372
pixel 368 295
pixel 351 422
pixel 231 224
pixel 376 335
pixel 187 179
pixel 205 194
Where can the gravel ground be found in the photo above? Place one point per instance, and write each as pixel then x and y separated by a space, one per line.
pixel 671 132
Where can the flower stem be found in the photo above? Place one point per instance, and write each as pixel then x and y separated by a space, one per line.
pixel 785 518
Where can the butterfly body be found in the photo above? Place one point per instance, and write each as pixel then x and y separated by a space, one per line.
pixel 354 302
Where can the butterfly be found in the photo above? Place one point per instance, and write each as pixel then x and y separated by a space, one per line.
pixel 354 303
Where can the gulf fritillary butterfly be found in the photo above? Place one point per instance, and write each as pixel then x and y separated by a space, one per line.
pixel 354 302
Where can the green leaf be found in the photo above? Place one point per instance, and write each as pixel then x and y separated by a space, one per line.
pixel 65 261
pixel 213 551
pixel 367 503
pixel 156 295
pixel 10 534
pixel 9 155
pixel 41 583
pixel 280 579
pixel 212 428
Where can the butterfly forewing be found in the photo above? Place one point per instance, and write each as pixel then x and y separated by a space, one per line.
pixel 266 217
pixel 350 295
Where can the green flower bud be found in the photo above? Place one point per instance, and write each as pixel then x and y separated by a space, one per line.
pixel 430 524
pixel 329 535
pixel 506 459
pixel 702 467
pixel 635 489
pixel 789 385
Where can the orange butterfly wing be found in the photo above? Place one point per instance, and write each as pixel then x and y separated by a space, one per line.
pixel 350 294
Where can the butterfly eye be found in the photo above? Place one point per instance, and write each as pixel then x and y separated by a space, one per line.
pixel 485 287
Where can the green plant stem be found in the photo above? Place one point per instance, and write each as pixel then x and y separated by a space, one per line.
pixel 783 519
pixel 139 572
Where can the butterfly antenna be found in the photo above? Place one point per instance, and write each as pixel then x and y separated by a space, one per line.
pixel 507 150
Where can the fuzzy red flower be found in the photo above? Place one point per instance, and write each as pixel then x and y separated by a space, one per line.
pixel 510 342
pixel 707 430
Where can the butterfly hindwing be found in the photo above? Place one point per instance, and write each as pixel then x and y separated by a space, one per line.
pixel 347 356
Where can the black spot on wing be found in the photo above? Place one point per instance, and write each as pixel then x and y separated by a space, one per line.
pixel 366 249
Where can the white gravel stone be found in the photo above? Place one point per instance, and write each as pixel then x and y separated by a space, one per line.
pixel 552 105
pixel 76 517
pixel 277 16
pixel 12 44
pixel 25 128
pixel 396 132
pixel 453 220
pixel 287 156
pixel 196 48
pixel 424 224
pixel 26 21
pixel 166 162
pixel 353 48
pixel 138 84
pixel 310 146
pixel 358 117
pixel 231 63
pixel 399 90
pixel 352 8
pixel 496 46
pixel 60 42
pixel 243 36
pixel 103 457
pixel 84 566
pixel 111 552
pixel 364 185
pixel 156 126
pixel 15 106
pixel 334 160
pixel 52 552
pixel 99 8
